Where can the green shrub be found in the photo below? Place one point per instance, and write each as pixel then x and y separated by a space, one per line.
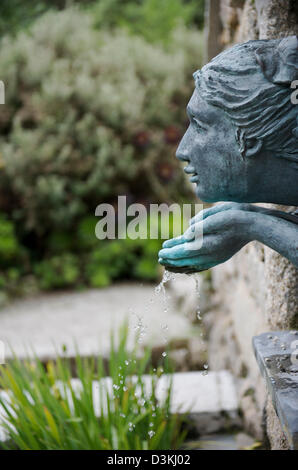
pixel 85 120
pixel 88 119
pixel 9 246
pixel 45 411
pixel 146 266
pixel 136 15
pixel 153 19
pixel 17 14
pixel 85 233
pixel 57 272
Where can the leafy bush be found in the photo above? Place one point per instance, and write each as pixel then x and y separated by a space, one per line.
pixel 85 120
pixel 114 258
pixel 9 246
pixel 47 410
pixel 153 19
pixel 12 260
pixel 122 259
pixel 17 14
pixel 89 119
pixel 57 272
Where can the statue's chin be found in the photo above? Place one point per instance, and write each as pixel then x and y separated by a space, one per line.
pixel 205 195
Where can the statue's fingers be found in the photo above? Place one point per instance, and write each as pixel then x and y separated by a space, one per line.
pixel 202 245
pixel 175 252
pixel 203 214
pixel 189 234
pixel 184 270
pixel 173 242
pixel 196 263
pixel 225 206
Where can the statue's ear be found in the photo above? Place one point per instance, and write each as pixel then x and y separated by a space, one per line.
pixel 253 147
pixel 248 147
pixel 279 64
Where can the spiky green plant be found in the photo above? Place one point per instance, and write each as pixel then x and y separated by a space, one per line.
pixel 47 409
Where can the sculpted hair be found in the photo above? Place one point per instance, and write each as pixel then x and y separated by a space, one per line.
pixel 251 82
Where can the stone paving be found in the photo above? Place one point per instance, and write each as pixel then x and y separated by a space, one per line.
pixel 47 322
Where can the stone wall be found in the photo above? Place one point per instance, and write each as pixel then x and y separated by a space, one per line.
pixel 257 290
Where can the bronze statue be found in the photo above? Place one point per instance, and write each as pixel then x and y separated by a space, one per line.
pixel 241 146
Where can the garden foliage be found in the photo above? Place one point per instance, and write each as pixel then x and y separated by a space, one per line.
pixel 90 114
pixel 46 410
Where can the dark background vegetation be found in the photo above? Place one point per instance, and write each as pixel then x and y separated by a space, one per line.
pixel 19 14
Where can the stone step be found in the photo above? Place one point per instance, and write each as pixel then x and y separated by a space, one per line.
pixel 209 400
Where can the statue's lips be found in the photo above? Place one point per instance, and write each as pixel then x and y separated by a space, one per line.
pixel 190 170
pixel 194 179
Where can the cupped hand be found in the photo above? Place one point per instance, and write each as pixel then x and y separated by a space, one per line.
pixel 210 241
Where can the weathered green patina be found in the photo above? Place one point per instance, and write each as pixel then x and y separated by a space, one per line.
pixel 241 147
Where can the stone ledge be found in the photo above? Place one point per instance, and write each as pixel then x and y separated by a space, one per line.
pixel 276 354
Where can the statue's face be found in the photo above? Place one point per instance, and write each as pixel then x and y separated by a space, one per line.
pixel 210 148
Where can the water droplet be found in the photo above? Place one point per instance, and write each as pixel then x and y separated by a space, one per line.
pixel 141 402
pixel 167 276
pixel 131 426
pixel 140 328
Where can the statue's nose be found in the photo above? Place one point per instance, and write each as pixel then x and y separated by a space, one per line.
pixel 182 151
pixel 182 156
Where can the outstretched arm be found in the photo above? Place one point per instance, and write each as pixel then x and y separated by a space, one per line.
pixel 225 232
pixel 279 234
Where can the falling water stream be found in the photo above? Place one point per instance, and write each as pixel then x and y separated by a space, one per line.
pixel 141 328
